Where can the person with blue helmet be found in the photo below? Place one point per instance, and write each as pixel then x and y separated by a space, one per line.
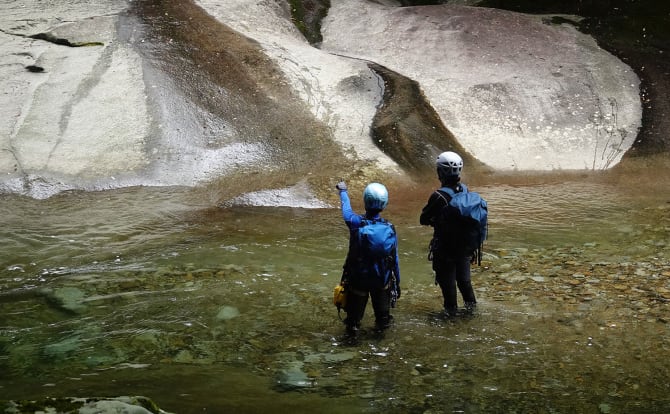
pixel 451 268
pixel 367 272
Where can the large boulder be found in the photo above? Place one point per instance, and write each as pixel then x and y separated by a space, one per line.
pixel 517 91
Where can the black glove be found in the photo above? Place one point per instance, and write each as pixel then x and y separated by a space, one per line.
pixel 341 186
pixel 397 292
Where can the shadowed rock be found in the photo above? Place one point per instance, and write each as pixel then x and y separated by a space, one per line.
pixel 408 129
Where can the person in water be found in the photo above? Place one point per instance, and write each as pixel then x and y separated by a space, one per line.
pixel 371 268
pixel 451 268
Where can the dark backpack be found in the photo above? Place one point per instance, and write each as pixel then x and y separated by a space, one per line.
pixel 461 226
pixel 375 245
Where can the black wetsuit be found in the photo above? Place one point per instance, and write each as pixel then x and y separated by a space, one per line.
pixel 450 269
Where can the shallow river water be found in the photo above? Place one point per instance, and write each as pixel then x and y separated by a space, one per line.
pixel 159 292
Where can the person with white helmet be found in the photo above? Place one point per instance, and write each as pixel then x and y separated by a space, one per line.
pixel 369 271
pixel 452 268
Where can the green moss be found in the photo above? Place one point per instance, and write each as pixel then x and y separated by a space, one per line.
pixel 307 16
pixel 147 404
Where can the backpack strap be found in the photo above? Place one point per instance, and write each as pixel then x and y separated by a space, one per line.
pixel 445 195
pixel 365 221
pixel 452 192
pixel 447 190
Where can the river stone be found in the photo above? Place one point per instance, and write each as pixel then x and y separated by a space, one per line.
pixel 299 195
pixel 68 298
pixel 604 408
pixel 184 357
pixel 641 272
pixel 339 357
pixel 227 312
pixel 62 348
pixel 514 278
pixel 68 405
pixel 119 407
pixel 293 377
pixel 329 357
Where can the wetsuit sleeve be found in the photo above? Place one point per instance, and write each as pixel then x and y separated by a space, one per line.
pixel 352 219
pixel 431 210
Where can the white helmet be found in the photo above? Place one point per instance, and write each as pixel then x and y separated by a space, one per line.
pixel 449 164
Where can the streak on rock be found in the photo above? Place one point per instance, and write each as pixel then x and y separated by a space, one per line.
pixel 34 68
pixel 48 37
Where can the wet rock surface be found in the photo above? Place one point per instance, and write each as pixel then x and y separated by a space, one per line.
pixel 72 103
pixel 201 111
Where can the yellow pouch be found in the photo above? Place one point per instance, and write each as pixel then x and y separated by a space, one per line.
pixel 339 297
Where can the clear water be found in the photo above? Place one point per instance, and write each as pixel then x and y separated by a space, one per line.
pixel 158 292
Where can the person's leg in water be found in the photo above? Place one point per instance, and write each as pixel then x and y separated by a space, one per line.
pixel 445 276
pixel 381 304
pixel 465 284
pixel 357 300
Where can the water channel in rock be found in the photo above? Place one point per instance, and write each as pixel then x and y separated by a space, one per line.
pixel 156 292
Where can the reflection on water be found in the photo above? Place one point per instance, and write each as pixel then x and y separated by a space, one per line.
pixel 153 292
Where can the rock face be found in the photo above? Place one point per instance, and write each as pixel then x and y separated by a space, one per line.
pixel 80 112
pixel 515 90
pixel 82 108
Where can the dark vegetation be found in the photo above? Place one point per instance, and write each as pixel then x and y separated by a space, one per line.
pixel 307 16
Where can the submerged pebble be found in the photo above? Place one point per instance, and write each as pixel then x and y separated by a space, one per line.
pixel 227 312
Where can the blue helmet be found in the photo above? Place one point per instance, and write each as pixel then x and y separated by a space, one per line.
pixel 375 196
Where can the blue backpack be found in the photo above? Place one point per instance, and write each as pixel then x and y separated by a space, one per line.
pixel 375 243
pixel 462 225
